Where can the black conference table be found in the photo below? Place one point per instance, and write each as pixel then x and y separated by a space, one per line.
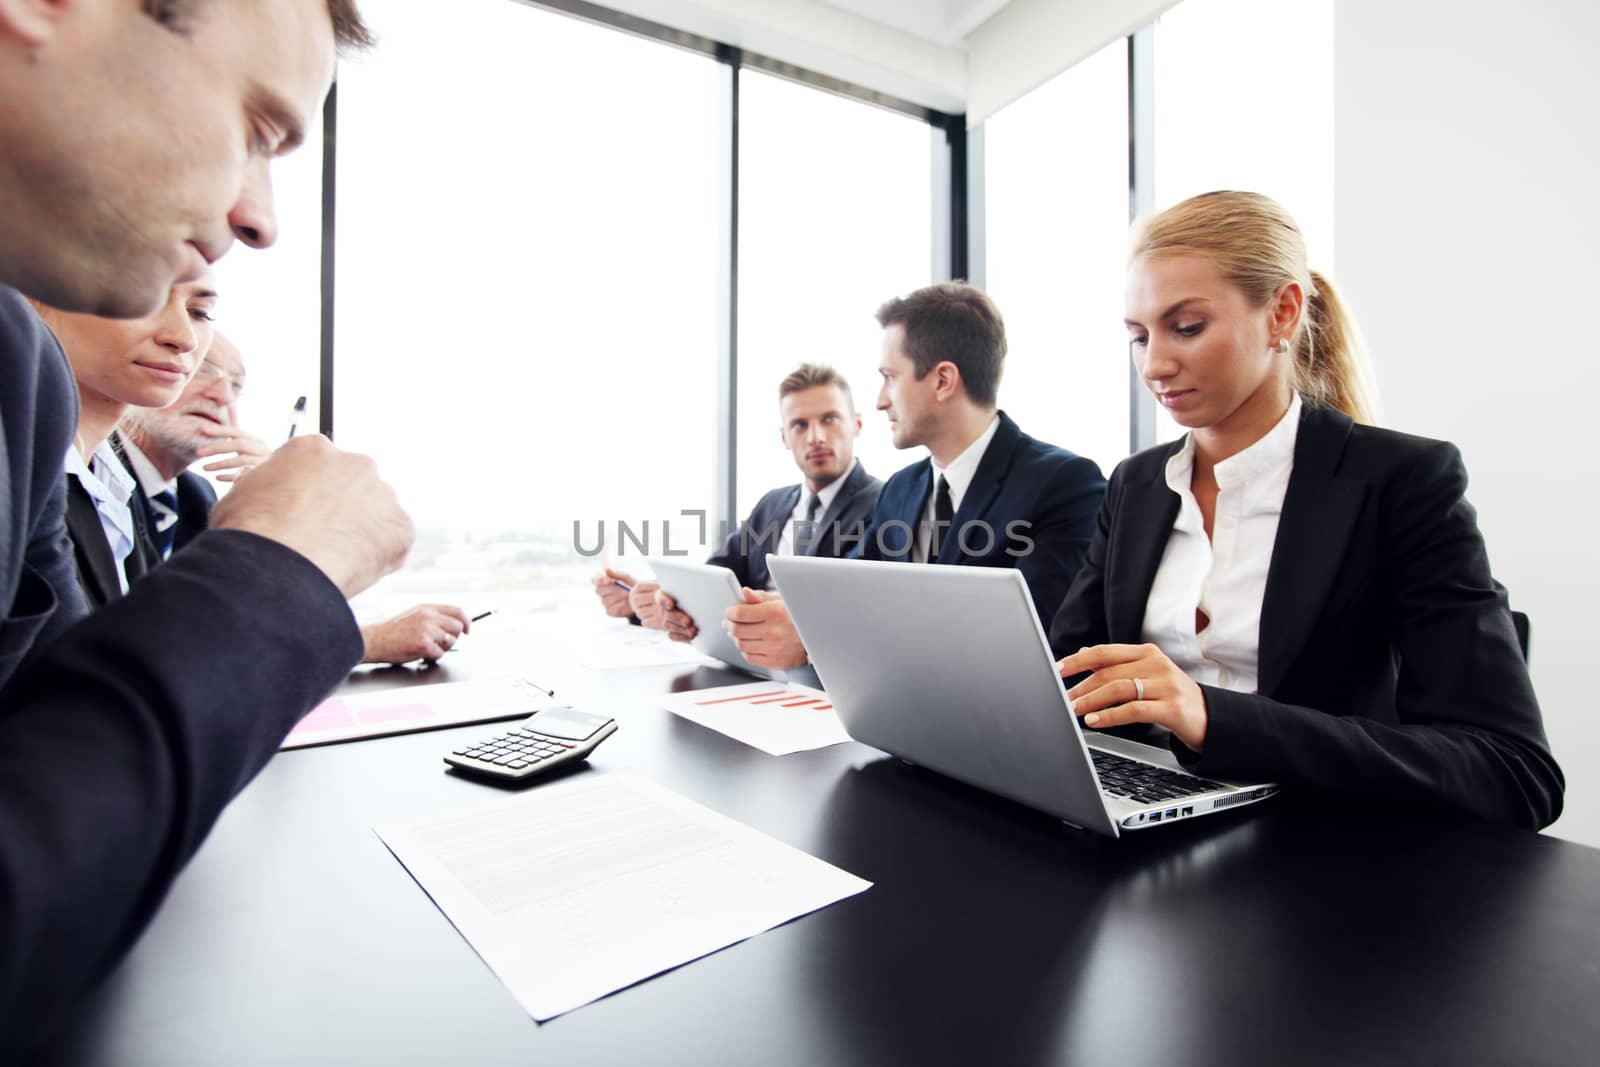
pixel 1287 933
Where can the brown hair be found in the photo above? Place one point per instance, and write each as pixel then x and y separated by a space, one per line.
pixel 957 322
pixel 1259 249
pixel 810 375
pixel 349 31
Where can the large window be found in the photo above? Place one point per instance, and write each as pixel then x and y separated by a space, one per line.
pixel 527 262
pixel 835 217
pixel 271 305
pixel 1056 171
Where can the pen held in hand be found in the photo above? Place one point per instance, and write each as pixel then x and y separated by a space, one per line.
pixel 295 416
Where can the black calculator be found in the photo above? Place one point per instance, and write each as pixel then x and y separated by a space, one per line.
pixel 555 737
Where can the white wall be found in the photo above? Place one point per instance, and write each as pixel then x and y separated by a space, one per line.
pixel 1467 167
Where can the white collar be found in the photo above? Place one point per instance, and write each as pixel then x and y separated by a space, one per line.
pixel 828 493
pixel 964 467
pixel 1274 449
pixel 150 479
pixel 104 476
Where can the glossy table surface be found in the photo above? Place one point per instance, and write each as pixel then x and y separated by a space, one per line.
pixel 1284 933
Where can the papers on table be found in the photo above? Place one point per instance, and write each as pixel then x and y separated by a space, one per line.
pixel 620 646
pixel 774 717
pixel 421 707
pixel 586 886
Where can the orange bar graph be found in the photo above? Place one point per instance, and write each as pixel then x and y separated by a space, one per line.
pixel 741 699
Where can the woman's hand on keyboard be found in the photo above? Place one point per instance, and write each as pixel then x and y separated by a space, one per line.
pixel 1135 683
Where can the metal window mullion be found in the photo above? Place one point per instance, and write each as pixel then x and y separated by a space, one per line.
pixel 725 501
pixel 1141 198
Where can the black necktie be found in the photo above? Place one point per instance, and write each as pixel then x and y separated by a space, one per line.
pixel 943 518
pixel 805 539
pixel 165 513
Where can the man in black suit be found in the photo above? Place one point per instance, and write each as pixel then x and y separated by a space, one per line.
pixel 823 516
pixel 988 495
pixel 159 445
pixel 137 140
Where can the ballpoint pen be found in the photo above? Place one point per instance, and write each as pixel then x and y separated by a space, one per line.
pixel 295 416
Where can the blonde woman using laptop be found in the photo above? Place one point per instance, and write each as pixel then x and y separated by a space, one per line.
pixel 1294 593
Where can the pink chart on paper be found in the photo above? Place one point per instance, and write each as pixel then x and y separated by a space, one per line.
pixel 335 714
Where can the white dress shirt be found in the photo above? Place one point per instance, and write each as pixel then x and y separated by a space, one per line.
pixel 109 485
pixel 1224 577
pixel 150 479
pixel 959 474
pixel 797 517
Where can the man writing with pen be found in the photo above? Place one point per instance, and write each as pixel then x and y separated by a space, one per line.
pixel 161 444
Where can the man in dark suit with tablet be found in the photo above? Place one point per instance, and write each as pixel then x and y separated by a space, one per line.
pixel 825 515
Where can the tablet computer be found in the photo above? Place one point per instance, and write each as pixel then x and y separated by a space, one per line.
pixel 704 593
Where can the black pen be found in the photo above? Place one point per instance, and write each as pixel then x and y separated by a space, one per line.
pixel 483 615
pixel 295 417
pixel 622 585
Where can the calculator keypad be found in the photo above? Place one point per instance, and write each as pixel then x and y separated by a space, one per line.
pixel 515 750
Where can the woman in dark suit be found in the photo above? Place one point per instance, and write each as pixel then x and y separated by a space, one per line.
pixel 118 364
pixel 1297 595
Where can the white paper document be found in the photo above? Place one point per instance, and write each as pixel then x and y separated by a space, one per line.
pixel 586 886
pixel 620 647
pixel 775 717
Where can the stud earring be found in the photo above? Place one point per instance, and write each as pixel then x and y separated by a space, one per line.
pixel 1283 346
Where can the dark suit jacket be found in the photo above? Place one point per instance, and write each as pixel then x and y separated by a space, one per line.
pixel 196 498
pixel 38 414
pixel 1388 660
pixel 123 735
pixel 1030 506
pixel 91 552
pixel 746 549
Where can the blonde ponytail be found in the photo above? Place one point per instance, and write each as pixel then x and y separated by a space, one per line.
pixel 1331 366
pixel 1258 248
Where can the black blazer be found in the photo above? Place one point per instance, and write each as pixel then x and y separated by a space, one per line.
pixel 1030 506
pixel 39 590
pixel 746 549
pixel 91 552
pixel 196 498
pixel 1388 660
pixel 123 734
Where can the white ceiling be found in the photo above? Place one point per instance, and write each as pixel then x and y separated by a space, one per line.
pixel 943 22
pixel 960 56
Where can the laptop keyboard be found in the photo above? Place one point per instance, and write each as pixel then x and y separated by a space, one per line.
pixel 1145 783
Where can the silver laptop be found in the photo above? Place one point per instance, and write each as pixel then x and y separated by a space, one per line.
pixel 948 668
pixel 705 592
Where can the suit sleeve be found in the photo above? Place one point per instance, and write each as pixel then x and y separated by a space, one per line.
pixel 1061 532
pixel 735 551
pixel 49 549
pixel 122 741
pixel 1469 734
pixel 49 554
